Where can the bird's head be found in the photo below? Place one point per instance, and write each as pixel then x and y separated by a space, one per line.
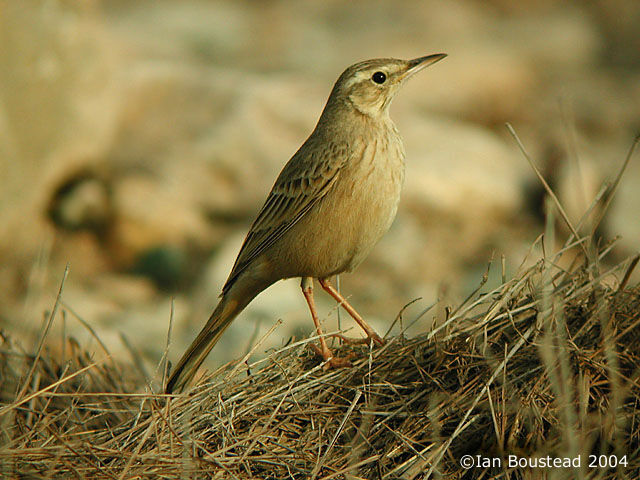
pixel 370 86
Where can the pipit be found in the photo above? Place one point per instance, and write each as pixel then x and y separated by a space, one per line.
pixel 329 206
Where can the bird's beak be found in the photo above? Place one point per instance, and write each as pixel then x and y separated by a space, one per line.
pixel 417 64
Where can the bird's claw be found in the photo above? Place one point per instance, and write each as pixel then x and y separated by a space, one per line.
pixel 331 360
pixel 360 341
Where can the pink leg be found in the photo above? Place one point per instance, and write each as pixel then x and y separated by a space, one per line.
pixel 371 334
pixel 323 350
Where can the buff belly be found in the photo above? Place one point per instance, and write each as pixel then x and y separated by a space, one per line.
pixel 364 210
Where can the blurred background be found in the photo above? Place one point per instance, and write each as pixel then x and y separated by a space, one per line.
pixel 139 139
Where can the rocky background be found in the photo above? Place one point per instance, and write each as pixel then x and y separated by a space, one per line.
pixel 139 139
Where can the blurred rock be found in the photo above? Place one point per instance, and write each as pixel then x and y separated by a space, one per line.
pixel 147 214
pixel 460 169
pixel 81 202
pixel 623 218
pixel 59 101
pixel 578 183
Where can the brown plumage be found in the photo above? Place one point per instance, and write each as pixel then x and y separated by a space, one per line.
pixel 329 206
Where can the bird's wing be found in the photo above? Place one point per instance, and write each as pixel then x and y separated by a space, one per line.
pixel 304 180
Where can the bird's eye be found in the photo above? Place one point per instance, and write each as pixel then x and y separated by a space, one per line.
pixel 379 77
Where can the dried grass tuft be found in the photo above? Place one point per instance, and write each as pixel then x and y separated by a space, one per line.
pixel 547 364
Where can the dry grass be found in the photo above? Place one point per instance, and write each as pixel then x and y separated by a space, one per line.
pixel 547 364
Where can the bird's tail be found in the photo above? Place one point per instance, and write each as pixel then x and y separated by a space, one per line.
pixel 230 305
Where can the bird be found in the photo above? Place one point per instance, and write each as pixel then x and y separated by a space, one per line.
pixel 331 203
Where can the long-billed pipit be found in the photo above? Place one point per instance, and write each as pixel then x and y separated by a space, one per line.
pixel 329 206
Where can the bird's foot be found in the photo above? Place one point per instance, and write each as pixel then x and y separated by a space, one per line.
pixel 331 360
pixel 360 341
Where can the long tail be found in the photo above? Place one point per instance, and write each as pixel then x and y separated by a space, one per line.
pixel 230 305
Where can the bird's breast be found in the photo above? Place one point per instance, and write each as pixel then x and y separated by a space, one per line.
pixel 339 233
pixel 371 190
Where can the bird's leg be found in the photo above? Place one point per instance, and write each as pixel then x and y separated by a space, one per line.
pixel 323 350
pixel 371 334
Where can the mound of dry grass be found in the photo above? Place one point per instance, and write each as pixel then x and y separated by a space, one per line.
pixel 545 365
